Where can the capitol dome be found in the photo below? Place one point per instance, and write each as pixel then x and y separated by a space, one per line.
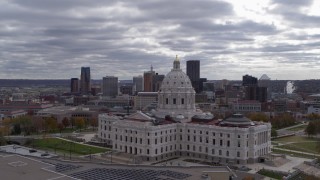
pixel 176 95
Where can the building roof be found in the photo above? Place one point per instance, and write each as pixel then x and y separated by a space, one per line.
pixel 237 120
pixel 264 77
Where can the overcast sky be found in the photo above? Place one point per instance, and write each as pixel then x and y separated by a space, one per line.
pixel 52 39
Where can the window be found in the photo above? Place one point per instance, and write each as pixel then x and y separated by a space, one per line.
pixel 174 101
pixel 220 152
pixel 155 141
pixel 221 143
pixel 238 143
pixel 188 138
pixel 212 151
pixel 238 154
pixel 214 141
pixel 238 136
pixel 182 101
pixel 167 101
pixel 228 143
pixel 140 140
pixel 227 153
pixel 148 141
pixel 220 134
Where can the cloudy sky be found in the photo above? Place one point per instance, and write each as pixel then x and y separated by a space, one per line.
pixel 52 39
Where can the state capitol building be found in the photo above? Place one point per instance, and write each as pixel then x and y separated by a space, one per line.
pixel 177 129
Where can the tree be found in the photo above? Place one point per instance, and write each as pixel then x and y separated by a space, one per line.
pixel 16 129
pixel 282 120
pixel 25 123
pixel 65 122
pixel 313 116
pixel 37 123
pixel 72 120
pixel 60 127
pixel 79 122
pixel 50 123
pixel 311 129
pixel 94 123
pixel 258 117
pixel 2 134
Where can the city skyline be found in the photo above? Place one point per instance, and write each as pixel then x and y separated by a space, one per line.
pixel 43 39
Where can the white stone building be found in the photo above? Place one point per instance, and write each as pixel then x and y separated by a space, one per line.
pixel 176 128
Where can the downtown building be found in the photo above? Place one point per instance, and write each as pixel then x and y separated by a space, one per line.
pixel 176 128
pixel 85 81
pixel 110 86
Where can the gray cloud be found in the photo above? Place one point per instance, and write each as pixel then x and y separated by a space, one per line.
pixel 53 39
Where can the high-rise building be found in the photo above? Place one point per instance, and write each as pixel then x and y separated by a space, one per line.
pixel 249 81
pixel 85 85
pixel 193 71
pixel 252 90
pixel 110 86
pixel 138 84
pixel 74 85
pixel 156 82
pixel 147 80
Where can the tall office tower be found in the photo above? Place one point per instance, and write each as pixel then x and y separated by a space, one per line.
pixel 148 78
pixel 74 85
pixel 138 83
pixel 265 81
pixel 252 90
pixel 156 82
pixel 110 86
pixel 85 85
pixel 249 81
pixel 193 71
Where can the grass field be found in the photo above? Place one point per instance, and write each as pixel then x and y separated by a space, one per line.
pixel 295 139
pixel 309 147
pixel 62 146
pixel 278 151
pixel 298 128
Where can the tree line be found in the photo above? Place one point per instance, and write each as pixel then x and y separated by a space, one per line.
pixel 27 124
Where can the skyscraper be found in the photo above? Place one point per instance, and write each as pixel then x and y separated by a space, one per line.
pixel 85 85
pixel 110 86
pixel 249 80
pixel 156 82
pixel 193 71
pixel 74 85
pixel 138 83
pixel 252 90
pixel 147 80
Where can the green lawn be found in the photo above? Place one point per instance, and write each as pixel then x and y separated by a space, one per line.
pixel 62 146
pixel 309 147
pixel 293 154
pixel 295 139
pixel 298 128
